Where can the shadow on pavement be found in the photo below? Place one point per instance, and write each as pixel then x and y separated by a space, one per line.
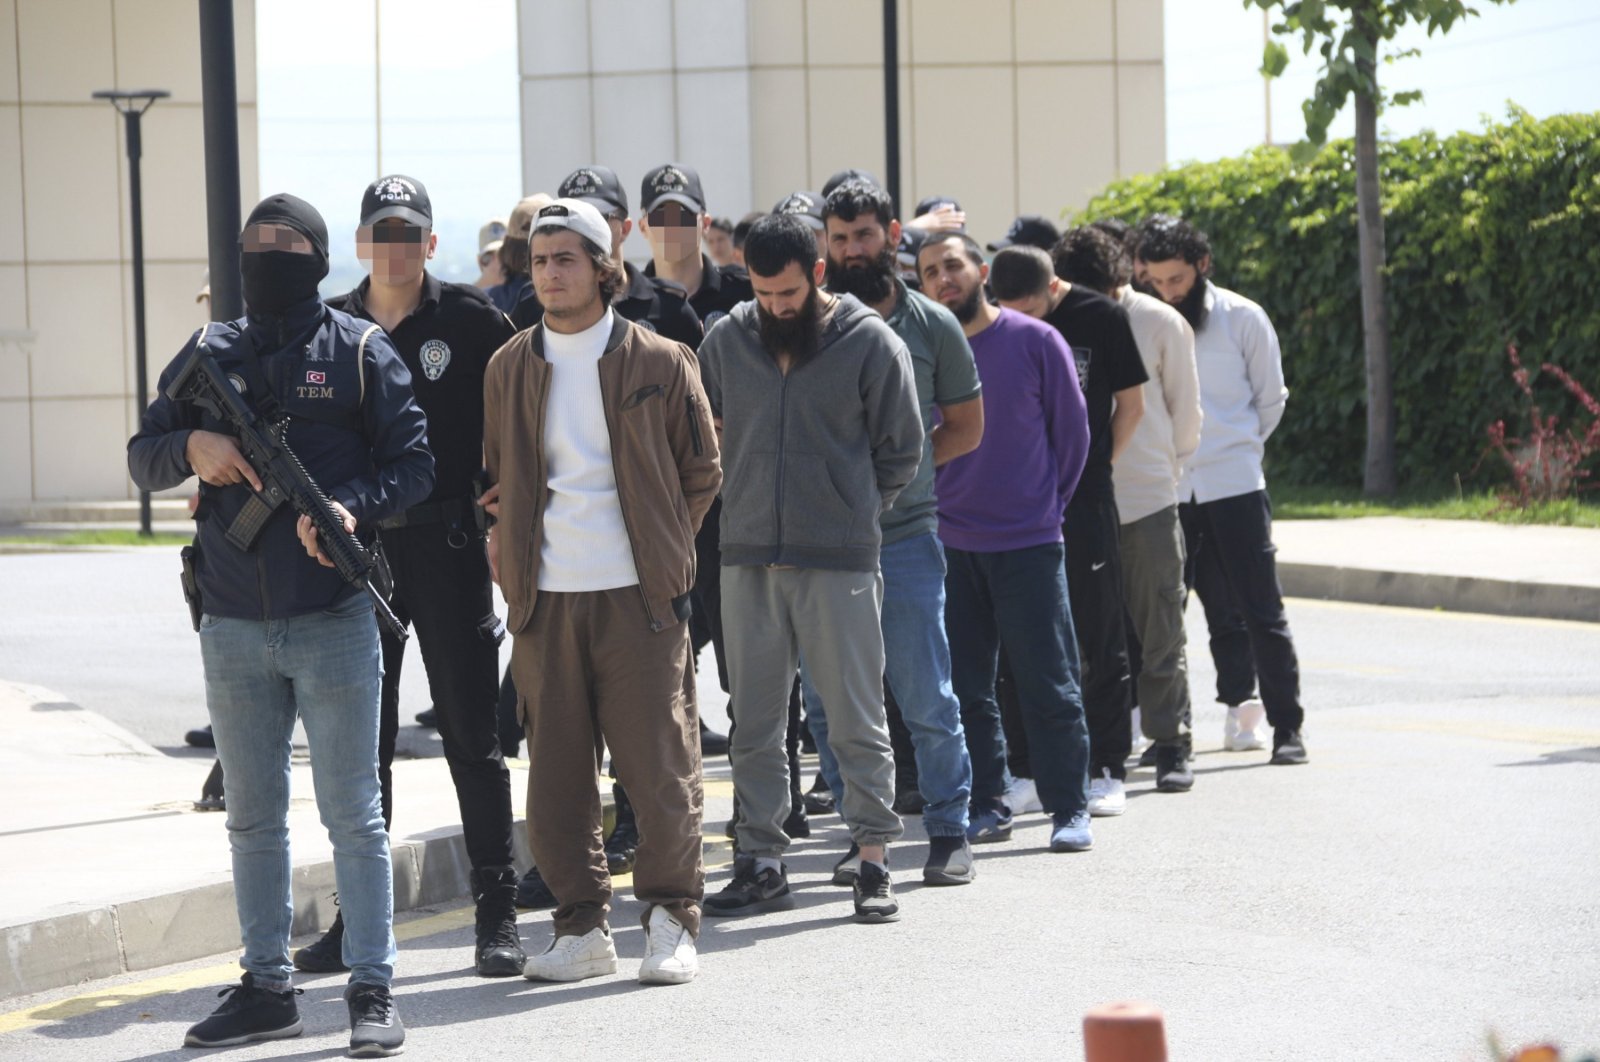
pixel 1582 755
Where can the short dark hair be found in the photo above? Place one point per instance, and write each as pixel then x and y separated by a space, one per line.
pixel 607 271
pixel 1019 272
pixel 969 247
pixel 741 231
pixel 1092 257
pixel 775 241
pixel 723 225
pixel 1116 228
pixel 1162 237
pixel 856 197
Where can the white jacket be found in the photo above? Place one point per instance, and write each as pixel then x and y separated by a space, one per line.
pixel 1145 474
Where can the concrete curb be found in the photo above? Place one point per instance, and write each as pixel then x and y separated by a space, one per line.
pixel 1452 593
pixel 160 930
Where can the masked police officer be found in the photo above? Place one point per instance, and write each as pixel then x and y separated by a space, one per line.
pixel 446 334
pixel 283 636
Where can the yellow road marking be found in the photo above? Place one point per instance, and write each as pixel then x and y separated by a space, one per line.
pixel 718 853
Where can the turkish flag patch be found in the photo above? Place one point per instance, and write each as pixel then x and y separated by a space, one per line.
pixel 316 377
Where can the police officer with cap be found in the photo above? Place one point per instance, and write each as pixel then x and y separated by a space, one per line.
pixel 445 333
pixel 673 221
pixel 653 303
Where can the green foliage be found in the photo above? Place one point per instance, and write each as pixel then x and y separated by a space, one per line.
pixel 1349 35
pixel 1493 238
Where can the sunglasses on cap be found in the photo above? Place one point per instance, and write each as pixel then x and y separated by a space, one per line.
pixel 401 233
pixel 672 216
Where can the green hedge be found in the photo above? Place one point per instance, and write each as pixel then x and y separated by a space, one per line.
pixel 1493 237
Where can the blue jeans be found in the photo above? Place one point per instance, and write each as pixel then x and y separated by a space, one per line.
pixel 325 667
pixel 1018 599
pixel 917 667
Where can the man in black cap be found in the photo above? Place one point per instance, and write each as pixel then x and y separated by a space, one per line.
pixel 653 303
pixel 446 334
pixel 1029 230
pixel 282 635
pixel 673 221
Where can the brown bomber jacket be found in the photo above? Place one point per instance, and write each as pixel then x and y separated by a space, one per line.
pixel 663 453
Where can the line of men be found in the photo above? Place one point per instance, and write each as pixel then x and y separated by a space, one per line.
pixel 877 494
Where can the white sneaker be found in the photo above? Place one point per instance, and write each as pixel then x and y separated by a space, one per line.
pixel 669 955
pixel 1240 732
pixel 572 958
pixel 1107 795
pixel 1023 796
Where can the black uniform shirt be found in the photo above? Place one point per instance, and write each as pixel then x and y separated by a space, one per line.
pixel 446 342
pixel 1108 360
pixel 721 289
pixel 658 305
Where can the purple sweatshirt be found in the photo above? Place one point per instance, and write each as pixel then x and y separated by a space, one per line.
pixel 1012 491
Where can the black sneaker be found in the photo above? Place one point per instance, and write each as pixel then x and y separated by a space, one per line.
pixel 429 718
pixel 874 892
pixel 908 800
pixel 247 1014
pixel 1173 773
pixel 797 825
pixel 498 948
pixel 375 1027
pixel 846 869
pixel 711 742
pixel 751 891
pixel 623 843
pixel 200 738
pixel 949 862
pixel 1288 747
pixel 325 955
pixel 1148 758
pixel 819 798
pixel 532 893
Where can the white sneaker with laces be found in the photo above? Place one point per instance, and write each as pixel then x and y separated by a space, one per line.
pixel 1023 796
pixel 1107 795
pixel 669 955
pixel 1240 732
pixel 572 958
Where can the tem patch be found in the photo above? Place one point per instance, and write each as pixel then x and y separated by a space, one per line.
pixel 435 358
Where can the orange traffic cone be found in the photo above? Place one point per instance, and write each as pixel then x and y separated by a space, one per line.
pixel 1124 1032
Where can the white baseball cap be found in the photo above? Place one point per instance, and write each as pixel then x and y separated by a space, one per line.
pixel 576 215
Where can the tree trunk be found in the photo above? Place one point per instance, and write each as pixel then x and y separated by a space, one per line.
pixel 1378 478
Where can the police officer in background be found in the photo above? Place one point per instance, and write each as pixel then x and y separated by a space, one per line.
pixel 653 303
pixel 446 334
pixel 282 635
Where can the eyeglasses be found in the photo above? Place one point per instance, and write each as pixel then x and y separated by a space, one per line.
pixel 672 216
pixel 391 233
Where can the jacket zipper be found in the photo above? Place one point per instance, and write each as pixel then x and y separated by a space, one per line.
pixel 530 577
pixel 694 424
pixel 777 487
pixel 655 624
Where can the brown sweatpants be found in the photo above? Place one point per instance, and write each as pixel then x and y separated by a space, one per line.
pixel 591 674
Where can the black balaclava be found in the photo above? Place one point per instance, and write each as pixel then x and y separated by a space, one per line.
pixel 276 281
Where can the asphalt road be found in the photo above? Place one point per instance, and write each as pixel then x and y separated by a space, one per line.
pixel 1431 877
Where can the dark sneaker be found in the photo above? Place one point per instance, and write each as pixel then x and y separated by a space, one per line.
pixel 200 738
pixel 428 718
pixel 874 894
pixel 1148 758
pixel 1173 773
pixel 797 825
pixel 623 843
pixel 819 798
pixel 846 869
pixel 1288 747
pixel 711 742
pixel 375 1027
pixel 247 1014
pixel 909 801
pixel 532 893
pixel 751 891
pixel 325 955
pixel 1070 832
pixel 949 862
pixel 498 948
pixel 989 826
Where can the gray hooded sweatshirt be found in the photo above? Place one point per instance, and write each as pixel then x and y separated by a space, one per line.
pixel 811 458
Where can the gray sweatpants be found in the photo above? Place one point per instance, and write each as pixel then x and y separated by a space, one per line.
pixel 771 617
pixel 1152 580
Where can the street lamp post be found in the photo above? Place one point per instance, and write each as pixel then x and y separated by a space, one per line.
pixel 132 105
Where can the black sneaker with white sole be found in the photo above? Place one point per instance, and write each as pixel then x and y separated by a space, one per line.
pixel 949 861
pixel 375 1027
pixel 753 890
pixel 874 895
pixel 1288 747
pixel 846 869
pixel 248 1013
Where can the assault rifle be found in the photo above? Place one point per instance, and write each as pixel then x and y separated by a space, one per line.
pixel 284 481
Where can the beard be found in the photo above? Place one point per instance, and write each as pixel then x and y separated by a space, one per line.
pixel 872 283
pixel 967 308
pixel 793 336
pixel 1193 305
